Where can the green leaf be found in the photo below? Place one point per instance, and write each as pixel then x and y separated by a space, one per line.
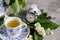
pixel 1 22
pixel 15 6
pixel 45 22
pixel 37 36
pixel 11 2
pixel 49 24
pixel 42 18
pixel 24 3
pixel 31 27
pixel 20 2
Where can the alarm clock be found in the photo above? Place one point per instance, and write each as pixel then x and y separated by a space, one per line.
pixel 31 17
pixel 32 13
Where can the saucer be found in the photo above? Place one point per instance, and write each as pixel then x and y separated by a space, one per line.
pixel 4 35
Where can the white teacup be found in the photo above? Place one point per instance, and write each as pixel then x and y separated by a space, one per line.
pixel 15 31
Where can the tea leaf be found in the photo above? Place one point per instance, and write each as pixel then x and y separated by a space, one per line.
pixel 37 36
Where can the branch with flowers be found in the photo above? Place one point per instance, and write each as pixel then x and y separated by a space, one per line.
pixel 42 27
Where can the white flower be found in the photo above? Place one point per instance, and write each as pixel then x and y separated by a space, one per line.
pixel 29 38
pixel 40 29
pixel 37 24
pixel 49 31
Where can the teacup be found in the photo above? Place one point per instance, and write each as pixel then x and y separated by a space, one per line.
pixel 14 26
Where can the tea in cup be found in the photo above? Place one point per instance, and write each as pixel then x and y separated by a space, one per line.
pixel 14 26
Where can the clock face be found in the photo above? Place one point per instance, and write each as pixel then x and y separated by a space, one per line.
pixel 30 18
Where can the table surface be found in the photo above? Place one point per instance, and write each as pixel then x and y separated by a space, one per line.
pixel 53 9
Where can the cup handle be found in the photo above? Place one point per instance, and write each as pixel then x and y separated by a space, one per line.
pixel 6 16
pixel 24 25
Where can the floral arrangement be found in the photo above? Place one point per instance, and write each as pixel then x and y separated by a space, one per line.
pixel 42 27
pixel 38 29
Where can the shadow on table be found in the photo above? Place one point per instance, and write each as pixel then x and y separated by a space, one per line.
pixel 22 14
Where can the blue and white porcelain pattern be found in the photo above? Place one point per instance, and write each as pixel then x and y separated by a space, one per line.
pixel 2 9
pixel 4 35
